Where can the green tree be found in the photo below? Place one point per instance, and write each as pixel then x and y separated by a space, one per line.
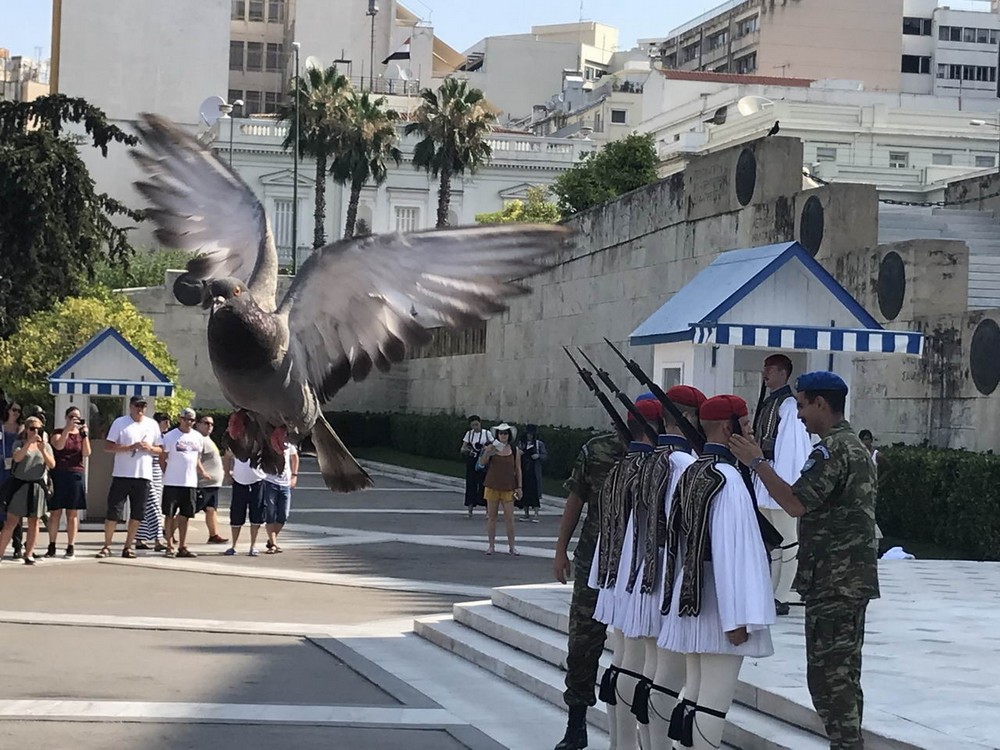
pixel 454 125
pixel 319 98
pixel 54 226
pixel 146 268
pixel 620 167
pixel 535 210
pixel 44 340
pixel 368 141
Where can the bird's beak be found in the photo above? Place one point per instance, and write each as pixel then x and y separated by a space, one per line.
pixel 217 302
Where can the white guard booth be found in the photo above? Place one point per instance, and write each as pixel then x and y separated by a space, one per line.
pixel 99 378
pixel 716 331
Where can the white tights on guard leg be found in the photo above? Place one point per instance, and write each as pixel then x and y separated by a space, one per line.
pixel 633 658
pixel 711 683
pixel 670 671
pixel 784 562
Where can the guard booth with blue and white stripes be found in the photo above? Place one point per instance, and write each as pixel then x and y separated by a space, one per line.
pixel 106 370
pixel 716 331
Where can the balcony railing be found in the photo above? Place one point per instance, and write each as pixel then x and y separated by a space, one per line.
pixel 386 86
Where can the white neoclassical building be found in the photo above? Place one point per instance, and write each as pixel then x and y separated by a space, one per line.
pixel 408 198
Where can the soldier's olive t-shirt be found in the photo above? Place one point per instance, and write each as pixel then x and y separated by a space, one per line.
pixel 591 468
pixel 838 554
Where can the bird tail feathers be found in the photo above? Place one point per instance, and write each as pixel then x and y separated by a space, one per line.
pixel 341 472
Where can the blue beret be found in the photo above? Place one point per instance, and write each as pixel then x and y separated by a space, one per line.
pixel 820 381
pixel 645 397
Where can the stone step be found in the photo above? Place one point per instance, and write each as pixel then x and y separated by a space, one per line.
pixel 902 235
pixel 746 728
pixel 942 211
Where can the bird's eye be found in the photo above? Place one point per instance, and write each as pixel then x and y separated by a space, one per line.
pixel 236 291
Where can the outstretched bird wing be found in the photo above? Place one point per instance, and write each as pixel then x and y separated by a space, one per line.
pixel 201 205
pixel 361 303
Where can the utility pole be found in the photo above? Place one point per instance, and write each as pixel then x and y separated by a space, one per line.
pixel 372 11
pixel 295 163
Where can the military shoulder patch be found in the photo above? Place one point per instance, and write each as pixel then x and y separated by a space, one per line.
pixel 808 465
pixel 823 452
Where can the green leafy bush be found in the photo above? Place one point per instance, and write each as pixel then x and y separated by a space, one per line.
pixel 946 497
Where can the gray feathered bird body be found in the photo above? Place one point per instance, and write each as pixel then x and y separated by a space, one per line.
pixel 353 307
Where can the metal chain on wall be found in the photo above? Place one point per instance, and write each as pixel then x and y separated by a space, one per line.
pixel 919 204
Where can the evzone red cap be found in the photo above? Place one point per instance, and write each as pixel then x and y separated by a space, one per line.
pixel 686 395
pixel 719 408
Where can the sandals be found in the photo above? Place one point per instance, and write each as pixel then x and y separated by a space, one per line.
pixel 104 552
pixel 490 551
pixel 513 552
pixel 128 553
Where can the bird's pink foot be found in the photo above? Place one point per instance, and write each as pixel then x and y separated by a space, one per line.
pixel 238 423
pixel 279 436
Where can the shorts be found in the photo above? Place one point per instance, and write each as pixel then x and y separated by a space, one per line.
pixel 208 497
pixel 498 496
pixel 178 501
pixel 247 497
pixel 67 491
pixel 277 502
pixel 131 489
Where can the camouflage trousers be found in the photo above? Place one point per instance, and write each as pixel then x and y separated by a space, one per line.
pixel 586 641
pixel 835 632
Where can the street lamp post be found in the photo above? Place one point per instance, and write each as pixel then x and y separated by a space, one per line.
pixel 372 11
pixel 225 111
pixel 295 166
pixel 986 123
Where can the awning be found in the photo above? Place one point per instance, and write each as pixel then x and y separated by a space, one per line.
pixel 110 388
pixel 823 339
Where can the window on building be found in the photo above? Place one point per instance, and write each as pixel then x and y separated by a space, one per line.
pixel 407 218
pixel 941 160
pixel 899 159
pixel 255 55
pixel 724 68
pixel 670 61
pixel 994 36
pixel 256 10
pixel 236 55
pixel 671 375
pixel 746 26
pixel 598 123
pixel 619 116
pixel 275 56
pixel 982 36
pixel 239 10
pixel 253 102
pixel 916 26
pixel 276 11
pixel 826 153
pixel 270 102
pixel 234 96
pixel 916 64
pixel 691 52
pixel 954 33
pixel 718 40
pixel 985 161
pixel 283 216
pixel 746 64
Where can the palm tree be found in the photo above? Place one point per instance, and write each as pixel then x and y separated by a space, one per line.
pixel 454 124
pixel 320 96
pixel 368 140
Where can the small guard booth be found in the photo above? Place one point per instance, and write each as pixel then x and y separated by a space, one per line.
pixel 715 332
pixel 98 379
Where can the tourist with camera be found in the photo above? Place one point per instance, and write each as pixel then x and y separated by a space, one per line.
pixel 70 445
pixel 25 489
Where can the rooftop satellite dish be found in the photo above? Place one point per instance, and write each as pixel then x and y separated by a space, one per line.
pixel 211 109
pixel 314 63
pixel 751 105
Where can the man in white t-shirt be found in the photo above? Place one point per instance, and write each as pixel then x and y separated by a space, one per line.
pixel 278 497
pixel 182 468
pixel 247 497
pixel 135 441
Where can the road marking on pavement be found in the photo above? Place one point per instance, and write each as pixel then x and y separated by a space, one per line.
pixel 412 511
pixel 142 711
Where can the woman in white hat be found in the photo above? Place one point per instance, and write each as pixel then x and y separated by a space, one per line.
pixel 502 485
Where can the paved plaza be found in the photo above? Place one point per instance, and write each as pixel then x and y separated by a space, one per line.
pixel 315 647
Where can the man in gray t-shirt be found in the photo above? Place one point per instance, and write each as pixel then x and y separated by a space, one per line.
pixel 208 489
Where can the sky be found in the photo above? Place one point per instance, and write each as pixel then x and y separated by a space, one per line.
pixel 26 24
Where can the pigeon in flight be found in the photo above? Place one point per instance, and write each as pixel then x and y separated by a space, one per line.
pixel 354 305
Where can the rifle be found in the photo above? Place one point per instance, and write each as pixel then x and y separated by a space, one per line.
pixel 626 401
pixel 760 402
pixel 693 434
pixel 623 431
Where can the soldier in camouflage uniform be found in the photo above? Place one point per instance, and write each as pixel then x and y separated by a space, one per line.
pixel 586 635
pixel 834 500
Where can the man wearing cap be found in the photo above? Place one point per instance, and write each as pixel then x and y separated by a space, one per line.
pixel 784 441
pixel 622 504
pixel 182 468
pixel 834 500
pixel 586 635
pixel 717 584
pixel 134 440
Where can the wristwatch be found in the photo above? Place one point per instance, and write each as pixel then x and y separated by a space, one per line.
pixel 757 462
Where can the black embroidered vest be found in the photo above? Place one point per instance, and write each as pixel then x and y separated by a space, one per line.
pixel 765 421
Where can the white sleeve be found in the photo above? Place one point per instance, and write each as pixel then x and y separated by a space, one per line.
pixel 740 564
pixel 792 445
pixel 467 438
pixel 115 431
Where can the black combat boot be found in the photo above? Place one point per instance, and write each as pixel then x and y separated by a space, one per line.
pixel 576 730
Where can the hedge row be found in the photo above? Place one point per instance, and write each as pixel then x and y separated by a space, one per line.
pixel 440 436
pixel 945 497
